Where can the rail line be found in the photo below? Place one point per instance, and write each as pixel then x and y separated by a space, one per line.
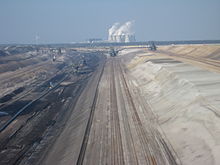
pixel 2 105
pixel 6 124
pixel 150 155
pixel 89 123
pixel 141 133
pixel 26 70
pixel 27 92
pixel 116 139
pixel 127 127
pixel 29 104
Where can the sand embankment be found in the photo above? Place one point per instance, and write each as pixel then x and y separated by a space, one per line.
pixel 185 99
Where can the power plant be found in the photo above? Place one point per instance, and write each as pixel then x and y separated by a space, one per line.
pixel 121 33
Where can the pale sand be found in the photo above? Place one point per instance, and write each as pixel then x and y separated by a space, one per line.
pixel 185 100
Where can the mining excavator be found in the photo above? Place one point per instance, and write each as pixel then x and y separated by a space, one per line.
pixel 152 46
pixel 113 52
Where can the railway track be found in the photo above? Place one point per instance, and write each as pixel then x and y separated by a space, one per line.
pixel 28 92
pixel 32 85
pixel 44 93
pixel 116 139
pixel 139 127
pixel 127 125
pixel 117 132
pixel 40 93
pixel 6 124
pixel 89 124
pixel 26 71
pixel 155 148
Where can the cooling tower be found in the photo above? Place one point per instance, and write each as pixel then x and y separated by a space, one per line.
pixel 130 38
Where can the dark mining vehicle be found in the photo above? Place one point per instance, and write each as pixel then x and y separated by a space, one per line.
pixel 82 67
pixel 152 46
pixel 113 52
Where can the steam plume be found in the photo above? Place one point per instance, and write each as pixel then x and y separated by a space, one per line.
pixel 123 33
pixel 113 29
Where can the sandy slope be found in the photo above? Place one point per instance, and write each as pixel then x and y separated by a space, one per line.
pixel 204 51
pixel 184 98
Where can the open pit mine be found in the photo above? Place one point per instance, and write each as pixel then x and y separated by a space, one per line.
pixel 69 105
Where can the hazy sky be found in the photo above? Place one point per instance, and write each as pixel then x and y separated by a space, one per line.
pixel 64 21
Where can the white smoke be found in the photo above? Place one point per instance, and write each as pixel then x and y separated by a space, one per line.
pixel 125 29
pixel 123 33
pixel 114 27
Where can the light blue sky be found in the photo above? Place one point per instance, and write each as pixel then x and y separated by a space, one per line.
pixel 63 21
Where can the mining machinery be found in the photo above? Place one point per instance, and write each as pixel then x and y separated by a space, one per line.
pixel 152 46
